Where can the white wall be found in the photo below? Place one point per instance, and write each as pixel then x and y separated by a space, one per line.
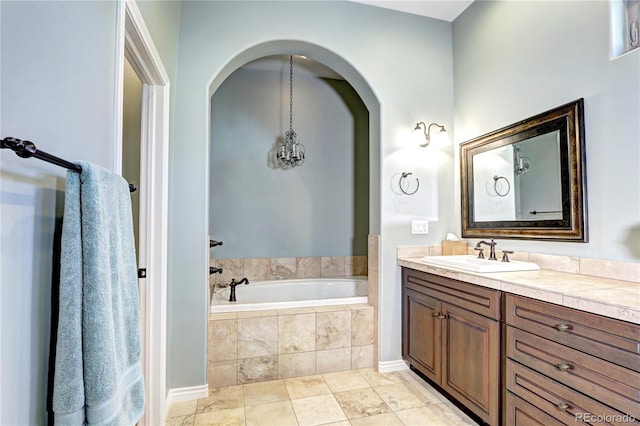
pixel 400 65
pixel 513 60
pixel 261 210
pixel 57 90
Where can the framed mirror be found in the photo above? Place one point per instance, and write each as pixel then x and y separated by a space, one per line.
pixel 527 180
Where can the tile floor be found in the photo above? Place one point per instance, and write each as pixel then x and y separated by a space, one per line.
pixel 356 397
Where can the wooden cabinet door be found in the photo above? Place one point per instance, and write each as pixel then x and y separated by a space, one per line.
pixel 422 333
pixel 471 361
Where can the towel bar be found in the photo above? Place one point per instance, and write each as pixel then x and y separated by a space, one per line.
pixel 27 149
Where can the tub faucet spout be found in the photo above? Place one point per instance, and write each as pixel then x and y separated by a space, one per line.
pixel 233 284
pixel 492 248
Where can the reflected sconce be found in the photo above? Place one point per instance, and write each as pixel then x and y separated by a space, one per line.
pixel 441 138
pixel 521 164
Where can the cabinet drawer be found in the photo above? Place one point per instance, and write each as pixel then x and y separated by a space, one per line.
pixel 617 386
pixel 559 401
pixel 481 300
pixel 521 413
pixel 607 338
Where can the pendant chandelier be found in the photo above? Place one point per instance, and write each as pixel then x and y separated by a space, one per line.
pixel 290 153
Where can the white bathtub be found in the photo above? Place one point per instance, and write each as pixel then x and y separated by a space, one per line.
pixel 281 294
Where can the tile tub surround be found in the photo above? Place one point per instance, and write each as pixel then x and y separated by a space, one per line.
pixel 258 346
pixel 286 268
pixel 614 298
pixel 373 276
pixel 349 398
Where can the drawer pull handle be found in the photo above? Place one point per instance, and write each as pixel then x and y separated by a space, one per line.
pixel 562 406
pixel 562 327
pixel 438 315
pixel 563 367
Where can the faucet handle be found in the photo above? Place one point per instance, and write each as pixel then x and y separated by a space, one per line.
pixel 480 252
pixel 505 253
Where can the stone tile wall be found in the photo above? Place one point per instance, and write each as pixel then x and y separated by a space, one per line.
pixel 373 273
pixel 283 268
pixel 248 347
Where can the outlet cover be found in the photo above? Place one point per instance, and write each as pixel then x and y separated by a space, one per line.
pixel 419 226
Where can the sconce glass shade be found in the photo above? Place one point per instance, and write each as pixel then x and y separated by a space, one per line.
pixel 441 139
pixel 423 134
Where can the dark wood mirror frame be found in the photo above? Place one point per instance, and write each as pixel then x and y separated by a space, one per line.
pixel 569 121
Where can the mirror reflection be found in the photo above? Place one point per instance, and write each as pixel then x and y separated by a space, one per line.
pixel 519 181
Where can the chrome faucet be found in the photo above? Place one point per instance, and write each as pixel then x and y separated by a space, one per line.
pixel 233 284
pixel 492 249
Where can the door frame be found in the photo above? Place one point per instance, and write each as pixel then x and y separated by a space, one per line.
pixel 134 43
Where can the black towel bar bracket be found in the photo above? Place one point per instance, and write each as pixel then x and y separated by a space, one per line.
pixel 27 149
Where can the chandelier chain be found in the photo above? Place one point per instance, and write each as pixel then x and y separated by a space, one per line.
pixel 290 92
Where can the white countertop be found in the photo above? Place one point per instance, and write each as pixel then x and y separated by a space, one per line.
pixel 603 296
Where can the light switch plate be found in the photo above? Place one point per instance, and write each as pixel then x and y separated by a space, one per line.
pixel 419 226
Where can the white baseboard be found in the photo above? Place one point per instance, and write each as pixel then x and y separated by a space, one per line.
pixel 389 366
pixel 186 394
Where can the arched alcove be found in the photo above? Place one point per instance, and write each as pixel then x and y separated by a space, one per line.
pixel 310 248
pixel 265 210
pixel 343 68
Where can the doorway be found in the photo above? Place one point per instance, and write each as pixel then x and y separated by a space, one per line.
pixel 142 156
pixel 131 134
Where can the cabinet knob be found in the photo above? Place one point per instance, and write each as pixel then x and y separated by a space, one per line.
pixel 438 315
pixel 563 367
pixel 562 327
pixel 562 406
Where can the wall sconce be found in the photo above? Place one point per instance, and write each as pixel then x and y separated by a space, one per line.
pixel 442 137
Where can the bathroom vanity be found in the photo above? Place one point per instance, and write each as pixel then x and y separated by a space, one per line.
pixel 451 334
pixel 512 348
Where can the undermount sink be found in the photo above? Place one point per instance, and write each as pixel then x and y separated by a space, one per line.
pixel 473 264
